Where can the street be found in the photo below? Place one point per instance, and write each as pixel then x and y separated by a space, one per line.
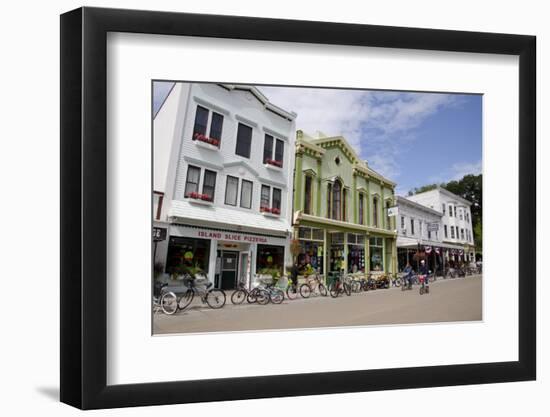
pixel 458 299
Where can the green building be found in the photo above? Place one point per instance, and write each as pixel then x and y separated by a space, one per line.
pixel 341 210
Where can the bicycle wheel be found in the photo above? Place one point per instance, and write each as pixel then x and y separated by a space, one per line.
pixel 355 286
pixel 262 297
pixel 215 298
pixel 347 289
pixel 276 296
pixel 169 303
pixel 323 290
pixel 305 290
pixel 186 299
pixel 291 292
pixel 238 297
pixel 398 282
pixel 421 290
pixel 335 291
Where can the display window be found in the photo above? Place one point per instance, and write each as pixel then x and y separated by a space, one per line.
pixel 187 256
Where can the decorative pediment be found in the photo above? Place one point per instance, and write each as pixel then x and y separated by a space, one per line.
pixel 244 164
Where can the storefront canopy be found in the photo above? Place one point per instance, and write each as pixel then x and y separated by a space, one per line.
pixel 219 217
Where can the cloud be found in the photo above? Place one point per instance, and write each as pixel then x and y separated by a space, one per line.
pixel 461 169
pixel 367 119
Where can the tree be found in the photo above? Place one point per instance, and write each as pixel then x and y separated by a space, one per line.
pixel 469 187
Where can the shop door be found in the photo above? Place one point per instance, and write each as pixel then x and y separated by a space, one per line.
pixel 230 263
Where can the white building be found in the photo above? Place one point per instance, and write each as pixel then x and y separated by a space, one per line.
pixel 456 220
pixel 223 169
pixel 418 229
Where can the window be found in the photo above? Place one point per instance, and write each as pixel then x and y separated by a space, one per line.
pixel 209 184
pixel 429 234
pixel 231 187
pixel 264 197
pixel 462 234
pixel 244 140
pixel 412 226
pixel 452 232
pixel 329 200
pixel 268 148
pixel 273 156
pixel 375 212
pixel 443 208
pixel 336 200
pixel 450 211
pixel 388 218
pixel 246 194
pixel 420 230
pixel 344 205
pixel 201 126
pixel 307 194
pixel 192 181
pixel 376 248
pixel 445 230
pixel 279 151
pixel 201 122
pixel 216 126
pixel 461 217
pixel 361 209
pixel 402 222
pixel 276 201
pixel 270 203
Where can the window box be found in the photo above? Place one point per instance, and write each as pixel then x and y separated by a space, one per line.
pixel 198 198
pixel 273 164
pixel 270 211
pixel 206 142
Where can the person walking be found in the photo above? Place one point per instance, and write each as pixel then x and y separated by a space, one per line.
pixel 407 278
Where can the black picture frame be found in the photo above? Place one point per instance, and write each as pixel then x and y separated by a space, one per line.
pixel 84 207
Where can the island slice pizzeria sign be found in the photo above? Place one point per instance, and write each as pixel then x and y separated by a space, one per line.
pixel 231 236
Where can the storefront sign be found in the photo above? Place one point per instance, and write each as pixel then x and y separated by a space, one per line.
pixel 230 236
pixel 393 211
pixel 159 234
pixel 433 227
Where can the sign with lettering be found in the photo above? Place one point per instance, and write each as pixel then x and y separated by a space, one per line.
pixel 433 227
pixel 159 234
pixel 230 236
pixel 392 211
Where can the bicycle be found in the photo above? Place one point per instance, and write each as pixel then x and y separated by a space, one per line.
pixel 163 300
pixel 424 288
pixel 397 281
pixel 214 297
pixel 256 295
pixel 338 287
pixel 313 286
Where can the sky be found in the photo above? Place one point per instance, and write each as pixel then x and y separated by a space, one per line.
pixel 413 139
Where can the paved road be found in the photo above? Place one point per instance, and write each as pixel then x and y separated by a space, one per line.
pixel 456 299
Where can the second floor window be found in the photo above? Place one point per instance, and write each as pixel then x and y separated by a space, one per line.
pixel 412 226
pixel 270 199
pixel 192 184
pixel 462 234
pixel 402 222
pixel 200 129
pixel 375 212
pixel 443 208
pixel 231 189
pixel 445 231
pixel 344 205
pixel 246 194
pixel 361 209
pixel 192 181
pixel 388 218
pixel 452 232
pixel 244 141
pixel 336 200
pixel 329 200
pixel 307 194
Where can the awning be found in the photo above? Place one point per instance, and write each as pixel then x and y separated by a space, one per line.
pixel 219 217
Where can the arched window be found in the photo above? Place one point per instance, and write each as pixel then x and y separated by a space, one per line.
pixel 329 200
pixel 388 218
pixel 375 211
pixel 337 200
